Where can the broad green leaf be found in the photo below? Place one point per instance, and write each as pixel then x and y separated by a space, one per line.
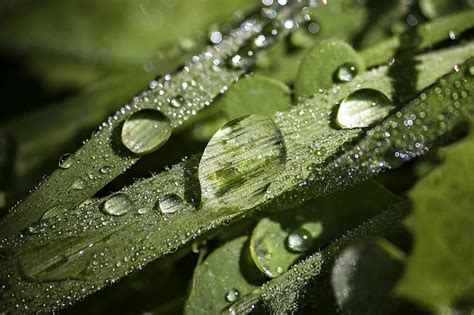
pixel 441 268
pixel 224 276
pixel 324 65
pixel 302 284
pixel 324 218
pixel 363 276
pixel 255 95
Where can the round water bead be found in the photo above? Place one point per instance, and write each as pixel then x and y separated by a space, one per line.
pixel 118 204
pixel 299 240
pixel 363 108
pixel 232 295
pixel 145 131
pixel 346 72
pixel 170 203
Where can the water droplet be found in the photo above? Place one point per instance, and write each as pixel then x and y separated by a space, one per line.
pixel 170 203
pixel 452 35
pixel 363 108
pixel 118 204
pixel 241 160
pixel 215 37
pixel 104 169
pixel 77 184
pixel 346 72
pixel 232 295
pixel 299 240
pixel 146 131
pixel 65 161
pixel 53 211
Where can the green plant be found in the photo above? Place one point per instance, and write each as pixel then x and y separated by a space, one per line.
pixel 308 146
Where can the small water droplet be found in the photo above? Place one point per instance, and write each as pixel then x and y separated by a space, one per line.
pixel 118 204
pixel 346 72
pixel 363 108
pixel 232 295
pixel 65 161
pixel 299 240
pixel 146 131
pixel 4 287
pixel 104 169
pixel 77 184
pixel 170 203
pixel 452 35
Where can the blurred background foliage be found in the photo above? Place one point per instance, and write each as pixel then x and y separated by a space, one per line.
pixel 68 64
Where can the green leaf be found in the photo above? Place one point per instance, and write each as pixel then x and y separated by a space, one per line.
pixel 441 268
pixel 178 97
pixel 319 68
pixel 255 95
pixel 305 281
pixel 363 276
pixel 320 160
pixel 221 278
pixel 324 218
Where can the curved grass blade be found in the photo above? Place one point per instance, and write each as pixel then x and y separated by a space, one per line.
pixel 178 97
pixel 78 252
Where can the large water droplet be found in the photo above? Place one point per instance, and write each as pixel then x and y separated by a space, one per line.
pixel 299 240
pixel 363 108
pixel 146 131
pixel 241 160
pixel 232 295
pixel 65 161
pixel 118 204
pixel 346 72
pixel 170 203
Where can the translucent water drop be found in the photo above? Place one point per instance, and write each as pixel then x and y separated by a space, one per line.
pixel 53 211
pixel 232 295
pixel 346 72
pixel 77 184
pixel 363 108
pixel 118 204
pixel 104 169
pixel 65 161
pixel 299 240
pixel 146 131
pixel 170 203
pixel 241 160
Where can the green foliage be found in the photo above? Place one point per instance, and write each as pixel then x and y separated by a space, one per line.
pixel 441 223
pixel 279 120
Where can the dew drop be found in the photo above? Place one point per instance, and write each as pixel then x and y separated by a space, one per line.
pixel 77 184
pixel 232 295
pixel 299 240
pixel 146 131
pixel 170 203
pixel 104 169
pixel 363 108
pixel 65 161
pixel 346 72
pixel 241 160
pixel 118 204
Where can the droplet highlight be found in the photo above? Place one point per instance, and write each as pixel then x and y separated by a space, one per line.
pixel 146 131
pixel 299 240
pixel 118 204
pixel 346 72
pixel 363 108
pixel 232 295
pixel 170 203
